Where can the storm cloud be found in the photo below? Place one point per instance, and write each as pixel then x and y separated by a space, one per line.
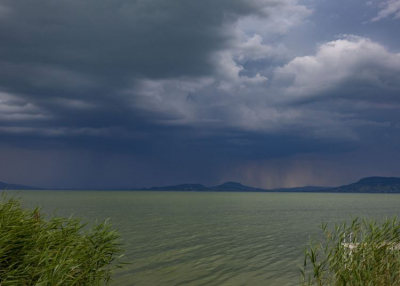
pixel 141 93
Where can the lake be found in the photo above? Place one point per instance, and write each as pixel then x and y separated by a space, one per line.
pixel 193 238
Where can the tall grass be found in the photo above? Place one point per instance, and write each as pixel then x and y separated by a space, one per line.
pixel 370 257
pixel 35 250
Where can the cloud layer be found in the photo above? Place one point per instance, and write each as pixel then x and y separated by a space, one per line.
pixel 390 8
pixel 177 86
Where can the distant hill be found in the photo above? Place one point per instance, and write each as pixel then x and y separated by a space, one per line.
pixel 371 185
pixel 182 187
pixel 232 187
pixel 235 187
pixel 365 185
pixel 7 186
pixel 225 187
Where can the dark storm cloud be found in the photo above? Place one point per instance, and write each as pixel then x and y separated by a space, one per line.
pixel 151 38
pixel 72 61
pixel 77 55
pixel 177 91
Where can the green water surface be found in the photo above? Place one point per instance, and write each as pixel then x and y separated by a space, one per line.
pixel 193 238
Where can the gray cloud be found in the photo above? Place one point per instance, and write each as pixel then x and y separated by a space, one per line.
pixel 345 76
pixel 177 86
pixel 122 38
pixel 83 55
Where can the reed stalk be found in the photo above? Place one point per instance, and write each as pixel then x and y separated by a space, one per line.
pixel 362 252
pixel 36 250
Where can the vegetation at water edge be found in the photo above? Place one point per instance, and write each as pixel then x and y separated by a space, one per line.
pixel 363 252
pixel 36 250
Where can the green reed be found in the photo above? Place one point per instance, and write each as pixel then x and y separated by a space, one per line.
pixel 363 252
pixel 35 250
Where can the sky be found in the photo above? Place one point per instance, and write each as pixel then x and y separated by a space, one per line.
pixel 142 93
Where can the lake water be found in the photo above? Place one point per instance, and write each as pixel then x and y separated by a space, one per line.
pixel 179 238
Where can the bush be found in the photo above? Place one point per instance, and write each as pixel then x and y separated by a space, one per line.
pixel 370 257
pixel 56 251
